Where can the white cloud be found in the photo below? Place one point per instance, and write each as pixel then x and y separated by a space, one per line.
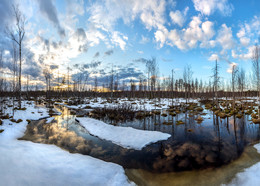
pixel 161 36
pixel 119 39
pixel 244 56
pixel 232 66
pixel 175 39
pixel 94 36
pixel 144 40
pixel 241 35
pixel 249 31
pixel 213 57
pixel 178 17
pixel 105 14
pixel 50 51
pixel 244 41
pixel 196 32
pixel 75 7
pixel 208 7
pixel 225 37
pixel 233 53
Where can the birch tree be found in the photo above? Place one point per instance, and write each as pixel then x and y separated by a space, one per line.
pixel 17 35
pixel 256 72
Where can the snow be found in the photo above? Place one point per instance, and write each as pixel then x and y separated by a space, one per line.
pixel 14 130
pixel 137 104
pixel 250 176
pixel 49 120
pixel 126 137
pixel 28 163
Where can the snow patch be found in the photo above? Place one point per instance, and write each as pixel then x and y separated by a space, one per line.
pixel 250 176
pixel 49 120
pixel 126 137
pixel 28 163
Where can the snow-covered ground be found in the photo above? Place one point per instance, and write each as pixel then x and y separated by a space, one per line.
pixel 27 163
pixel 14 130
pixel 250 176
pixel 49 120
pixel 138 104
pixel 126 137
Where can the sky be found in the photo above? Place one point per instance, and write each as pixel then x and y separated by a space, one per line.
pixel 95 36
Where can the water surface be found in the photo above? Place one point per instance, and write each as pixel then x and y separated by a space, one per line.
pixel 210 144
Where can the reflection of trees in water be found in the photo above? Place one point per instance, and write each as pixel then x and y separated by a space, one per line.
pixel 213 143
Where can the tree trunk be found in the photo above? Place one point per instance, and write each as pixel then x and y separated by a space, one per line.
pixel 20 73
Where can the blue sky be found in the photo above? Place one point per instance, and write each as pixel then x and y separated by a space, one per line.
pixel 177 33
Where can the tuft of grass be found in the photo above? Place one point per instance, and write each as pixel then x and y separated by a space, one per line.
pixel 238 115
pixel 199 109
pixel 199 119
pixel 13 120
pixel 140 115
pixel 167 123
pixel 179 122
pixel 164 115
pixel 156 112
pixel 80 116
pixel 19 121
pixel 222 115
pixel 172 113
pixel 5 117
pixel 256 121
pixel 254 116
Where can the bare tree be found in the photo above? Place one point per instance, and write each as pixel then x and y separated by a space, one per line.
pixel 187 78
pixel 241 81
pixel 233 82
pixel 111 83
pixel 68 78
pixel 216 82
pixel 172 85
pixel 14 68
pixel 152 73
pixel 256 71
pixel 116 83
pixel 17 35
pixel 1 72
pixel 47 75
pixel 96 87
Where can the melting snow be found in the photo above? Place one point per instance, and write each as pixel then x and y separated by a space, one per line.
pixel 27 163
pixel 126 137
pixel 250 176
